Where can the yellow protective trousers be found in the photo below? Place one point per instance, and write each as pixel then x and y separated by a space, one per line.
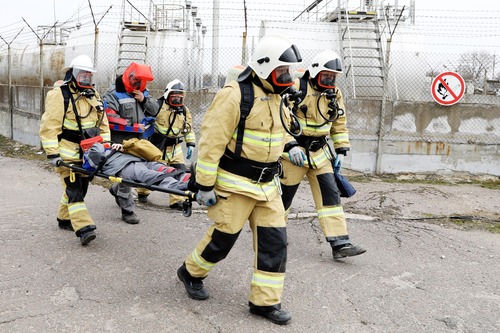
pixel 267 222
pixel 326 198
pixel 72 207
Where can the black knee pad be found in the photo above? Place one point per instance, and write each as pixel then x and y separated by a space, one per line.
pixel 288 194
pixel 271 249
pixel 330 193
pixel 219 246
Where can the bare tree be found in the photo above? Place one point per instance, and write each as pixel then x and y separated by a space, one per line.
pixel 475 66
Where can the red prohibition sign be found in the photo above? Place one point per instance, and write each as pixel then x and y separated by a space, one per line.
pixel 448 88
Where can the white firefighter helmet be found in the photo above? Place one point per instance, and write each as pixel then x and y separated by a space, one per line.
pixel 327 60
pixel 174 93
pixel 271 52
pixel 174 86
pixel 81 62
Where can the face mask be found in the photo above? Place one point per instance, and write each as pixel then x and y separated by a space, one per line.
pixel 326 80
pixel 283 80
pixel 175 100
pixel 83 79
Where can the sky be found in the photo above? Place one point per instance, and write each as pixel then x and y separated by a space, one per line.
pixel 454 20
pixel 41 12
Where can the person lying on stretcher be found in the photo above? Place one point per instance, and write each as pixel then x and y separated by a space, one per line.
pixel 112 161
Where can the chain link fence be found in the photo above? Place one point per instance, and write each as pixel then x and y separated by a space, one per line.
pixel 405 111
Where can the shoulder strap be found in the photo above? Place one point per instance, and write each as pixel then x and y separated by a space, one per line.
pixel 303 86
pixel 246 105
pixel 160 103
pixel 66 94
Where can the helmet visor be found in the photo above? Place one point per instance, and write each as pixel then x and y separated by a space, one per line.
pixel 334 65
pixel 326 79
pixel 175 99
pixel 84 79
pixel 291 55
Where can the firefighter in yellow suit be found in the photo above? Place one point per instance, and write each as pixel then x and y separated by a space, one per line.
pixel 173 125
pixel 73 112
pixel 237 177
pixel 321 115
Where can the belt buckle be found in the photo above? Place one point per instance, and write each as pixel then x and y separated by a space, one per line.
pixel 262 174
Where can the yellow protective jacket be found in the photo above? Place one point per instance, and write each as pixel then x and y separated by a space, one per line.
pixel 164 122
pixel 54 120
pixel 336 130
pixel 263 141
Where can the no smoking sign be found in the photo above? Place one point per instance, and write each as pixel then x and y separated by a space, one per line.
pixel 448 88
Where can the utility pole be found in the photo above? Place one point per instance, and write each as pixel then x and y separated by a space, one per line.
pixel 9 74
pixel 215 42
pixel 244 46
pixel 40 40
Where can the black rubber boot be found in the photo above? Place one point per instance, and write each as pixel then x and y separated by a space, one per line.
pixel 142 198
pixel 194 286
pixel 65 224
pixel 130 217
pixel 346 250
pixel 86 234
pixel 273 313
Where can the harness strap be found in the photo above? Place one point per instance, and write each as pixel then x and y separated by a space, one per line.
pixel 101 165
pixel 258 172
pixel 246 105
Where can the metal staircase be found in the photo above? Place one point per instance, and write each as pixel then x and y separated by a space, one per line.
pixel 363 56
pixel 132 47
pixel 133 39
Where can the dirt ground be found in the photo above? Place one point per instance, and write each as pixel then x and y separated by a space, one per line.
pixel 432 265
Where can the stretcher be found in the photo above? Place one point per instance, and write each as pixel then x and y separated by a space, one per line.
pixel 188 195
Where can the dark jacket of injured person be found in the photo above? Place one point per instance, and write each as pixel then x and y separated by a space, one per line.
pixel 136 169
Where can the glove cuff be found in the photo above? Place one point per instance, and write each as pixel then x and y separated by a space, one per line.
pixel 290 145
pixel 342 150
pixel 204 188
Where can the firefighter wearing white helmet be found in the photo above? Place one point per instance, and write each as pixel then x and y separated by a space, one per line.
pixel 172 127
pixel 322 116
pixel 73 112
pixel 242 138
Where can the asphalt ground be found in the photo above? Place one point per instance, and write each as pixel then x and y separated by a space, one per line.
pixel 415 277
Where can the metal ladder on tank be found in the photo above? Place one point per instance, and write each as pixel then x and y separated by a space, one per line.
pixel 362 53
pixel 133 39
